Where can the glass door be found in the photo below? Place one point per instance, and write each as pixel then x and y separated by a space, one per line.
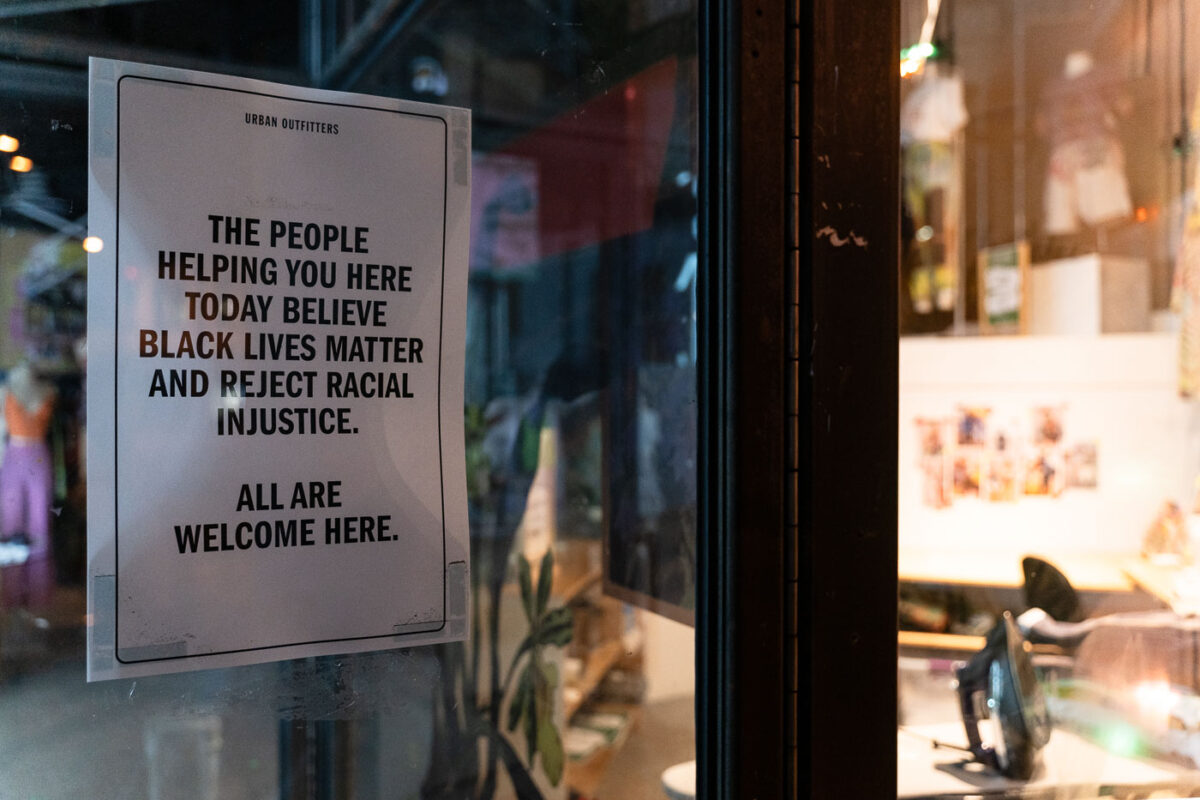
pixel 580 422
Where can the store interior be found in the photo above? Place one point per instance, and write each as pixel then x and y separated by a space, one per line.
pixel 1049 431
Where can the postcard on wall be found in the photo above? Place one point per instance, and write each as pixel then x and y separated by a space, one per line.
pixel 275 372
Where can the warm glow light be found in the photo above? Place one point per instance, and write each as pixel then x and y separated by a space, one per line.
pixel 1155 697
pixel 8 144
pixel 93 244
pixel 1141 214
pixel 912 59
pixel 20 164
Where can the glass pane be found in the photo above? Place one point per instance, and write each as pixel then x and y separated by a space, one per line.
pixel 1048 460
pixel 580 418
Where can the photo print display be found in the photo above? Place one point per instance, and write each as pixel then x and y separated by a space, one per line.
pixel 978 453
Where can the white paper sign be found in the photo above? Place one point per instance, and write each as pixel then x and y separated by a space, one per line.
pixel 275 337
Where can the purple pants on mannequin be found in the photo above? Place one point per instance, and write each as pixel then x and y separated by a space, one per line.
pixel 25 487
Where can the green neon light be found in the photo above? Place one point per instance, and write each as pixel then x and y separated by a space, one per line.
pixel 921 50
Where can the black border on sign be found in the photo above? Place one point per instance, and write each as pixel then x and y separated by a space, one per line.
pixel 117 326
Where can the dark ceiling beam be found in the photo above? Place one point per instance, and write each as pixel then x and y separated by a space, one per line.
pixel 27 8
pixel 73 51
pixel 76 229
pixel 314 31
pixel 43 81
pixel 386 23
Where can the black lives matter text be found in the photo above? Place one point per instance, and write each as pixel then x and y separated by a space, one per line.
pixel 237 305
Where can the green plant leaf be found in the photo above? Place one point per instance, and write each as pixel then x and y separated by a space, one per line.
pixel 543 691
pixel 549 673
pixel 545 578
pixel 514 710
pixel 529 437
pixel 523 783
pixel 521 700
pixel 556 628
pixel 531 732
pixel 526 589
pixel 549 744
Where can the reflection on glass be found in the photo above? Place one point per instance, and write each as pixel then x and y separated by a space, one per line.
pixel 580 422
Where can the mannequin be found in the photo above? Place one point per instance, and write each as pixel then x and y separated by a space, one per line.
pixel 932 117
pixel 26 482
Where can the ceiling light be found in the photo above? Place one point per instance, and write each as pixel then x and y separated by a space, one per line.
pixel 8 144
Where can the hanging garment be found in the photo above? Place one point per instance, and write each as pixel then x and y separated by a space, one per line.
pixel 26 486
pixel 1185 300
pixel 26 477
pixel 1086 183
pixel 931 117
pixel 1085 180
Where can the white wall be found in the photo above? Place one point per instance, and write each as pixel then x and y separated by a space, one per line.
pixel 1118 391
pixel 670 664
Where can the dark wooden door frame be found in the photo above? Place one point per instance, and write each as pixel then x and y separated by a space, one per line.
pixel 796 691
